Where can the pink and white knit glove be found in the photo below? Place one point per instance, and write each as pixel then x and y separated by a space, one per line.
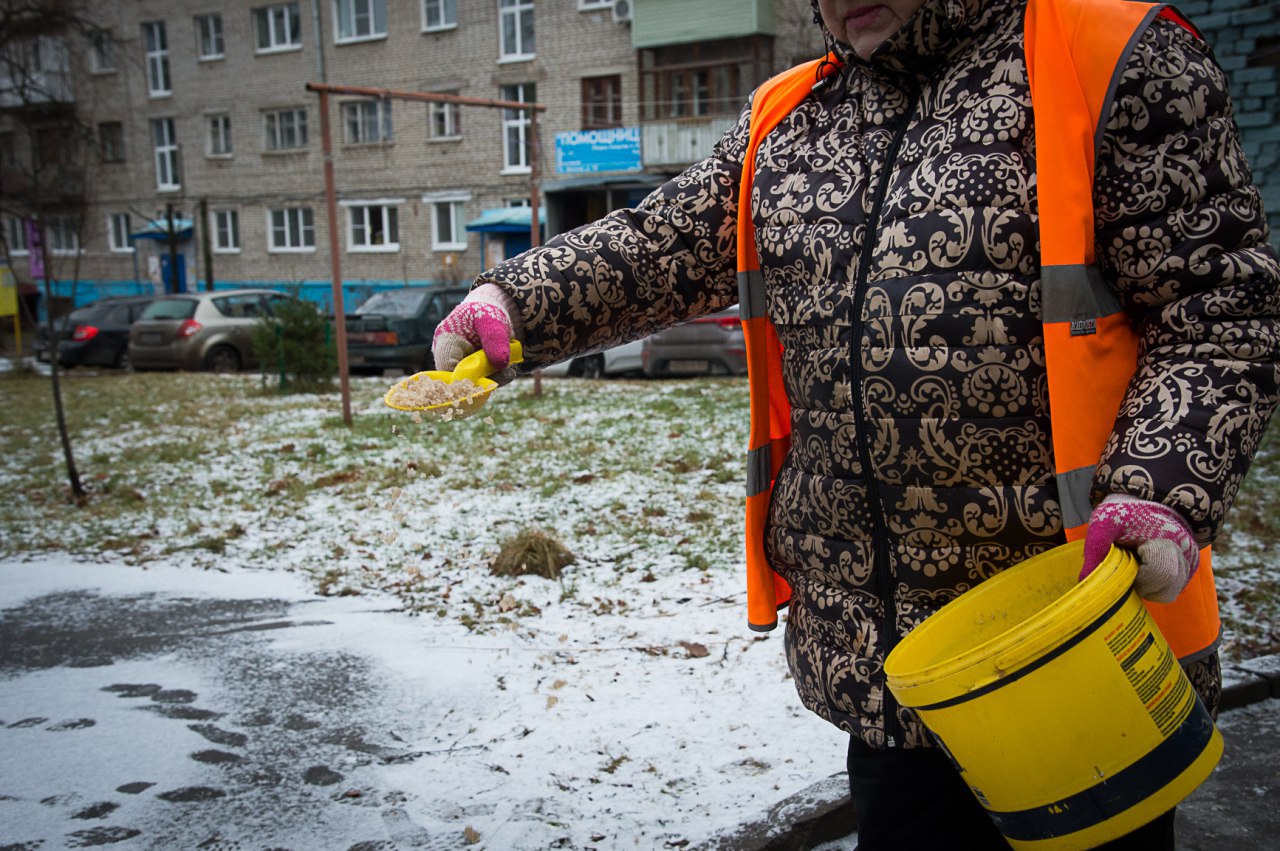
pixel 482 321
pixel 1167 551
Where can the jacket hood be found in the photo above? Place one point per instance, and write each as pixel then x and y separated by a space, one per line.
pixel 933 33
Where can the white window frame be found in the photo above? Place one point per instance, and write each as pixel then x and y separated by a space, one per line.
pixel 217 138
pixel 277 42
pixel 358 217
pixel 226 223
pixel 62 237
pixel 102 51
pixel 297 223
pixel 118 149
pixel 518 120
pixel 515 12
pixel 16 236
pixel 155 40
pixel 273 129
pixel 594 5
pixel 451 113
pixel 211 44
pixel 456 203
pixel 164 146
pixel 445 10
pixel 357 14
pixel 118 233
pixel 360 126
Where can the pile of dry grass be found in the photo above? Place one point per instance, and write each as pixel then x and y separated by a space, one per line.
pixel 531 553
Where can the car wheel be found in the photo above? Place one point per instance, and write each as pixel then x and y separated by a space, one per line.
pixel 222 359
pixel 590 367
pixel 122 361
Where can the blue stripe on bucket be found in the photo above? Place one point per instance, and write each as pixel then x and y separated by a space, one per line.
pixel 1117 793
pixel 1034 665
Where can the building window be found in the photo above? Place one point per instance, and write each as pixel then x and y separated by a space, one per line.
pixel 15 236
pixel 219 139
pixel 226 231
pixel 102 52
pixel 444 119
pixel 516 26
pixel 286 129
pixel 64 237
pixel 358 20
pixel 157 45
pixel 439 14
pixel 447 214
pixel 118 232
pixel 366 122
pixel 165 144
pixel 111 141
pixel 601 102
pixel 704 78
pixel 515 127
pixel 209 37
pixel 291 229
pixel 8 151
pixel 373 226
pixel 278 27
pixel 55 149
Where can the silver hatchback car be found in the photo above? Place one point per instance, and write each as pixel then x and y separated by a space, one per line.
pixel 201 330
pixel 704 346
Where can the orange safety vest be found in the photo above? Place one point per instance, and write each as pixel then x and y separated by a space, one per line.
pixel 1090 345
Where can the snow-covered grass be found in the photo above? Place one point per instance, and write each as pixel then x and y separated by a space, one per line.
pixel 640 480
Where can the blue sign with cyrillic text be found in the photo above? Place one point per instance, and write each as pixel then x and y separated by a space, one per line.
pixel 590 151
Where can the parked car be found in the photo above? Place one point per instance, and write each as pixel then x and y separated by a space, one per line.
pixel 703 346
pixel 94 335
pixel 202 330
pixel 619 360
pixel 392 329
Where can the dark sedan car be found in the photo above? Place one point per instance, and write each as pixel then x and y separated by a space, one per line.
pixel 94 335
pixel 393 328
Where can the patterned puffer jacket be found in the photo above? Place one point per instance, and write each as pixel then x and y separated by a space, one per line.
pixel 895 216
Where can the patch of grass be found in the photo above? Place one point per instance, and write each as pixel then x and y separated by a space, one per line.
pixel 531 552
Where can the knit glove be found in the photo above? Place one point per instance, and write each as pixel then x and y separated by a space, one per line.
pixel 1167 551
pixel 482 321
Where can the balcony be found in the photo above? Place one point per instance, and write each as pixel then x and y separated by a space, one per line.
pixel 664 144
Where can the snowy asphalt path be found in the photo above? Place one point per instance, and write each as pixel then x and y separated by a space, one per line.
pixel 142 720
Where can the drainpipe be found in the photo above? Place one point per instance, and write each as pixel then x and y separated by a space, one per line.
pixel 315 25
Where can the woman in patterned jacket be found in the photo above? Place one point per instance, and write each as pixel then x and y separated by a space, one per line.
pixel 895 219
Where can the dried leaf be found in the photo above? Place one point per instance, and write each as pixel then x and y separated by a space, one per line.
pixel 470 835
pixel 507 603
pixel 552 700
pixel 695 651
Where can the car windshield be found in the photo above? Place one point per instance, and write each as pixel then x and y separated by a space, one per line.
pixel 394 303
pixel 170 308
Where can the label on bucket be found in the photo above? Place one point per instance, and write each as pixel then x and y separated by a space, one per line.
pixel 1153 672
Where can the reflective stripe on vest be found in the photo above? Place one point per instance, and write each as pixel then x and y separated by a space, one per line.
pixel 1090 345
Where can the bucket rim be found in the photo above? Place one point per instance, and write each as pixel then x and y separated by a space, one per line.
pixel 1012 649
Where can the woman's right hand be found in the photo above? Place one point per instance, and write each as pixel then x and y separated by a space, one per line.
pixel 482 321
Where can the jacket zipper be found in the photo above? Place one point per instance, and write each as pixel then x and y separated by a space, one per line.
pixel 878 523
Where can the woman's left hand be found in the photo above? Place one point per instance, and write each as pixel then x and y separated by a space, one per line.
pixel 1167 551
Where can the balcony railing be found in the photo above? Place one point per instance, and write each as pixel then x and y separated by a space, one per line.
pixel 679 143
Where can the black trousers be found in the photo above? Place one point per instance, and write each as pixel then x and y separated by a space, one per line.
pixel 914 800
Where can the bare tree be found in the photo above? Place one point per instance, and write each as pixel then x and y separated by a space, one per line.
pixel 45 163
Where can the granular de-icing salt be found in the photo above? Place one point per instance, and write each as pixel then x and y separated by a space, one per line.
pixel 426 392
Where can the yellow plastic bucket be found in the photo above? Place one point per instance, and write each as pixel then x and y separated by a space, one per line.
pixel 1059 701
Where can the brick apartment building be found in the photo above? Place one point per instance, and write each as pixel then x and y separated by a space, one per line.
pixel 199 115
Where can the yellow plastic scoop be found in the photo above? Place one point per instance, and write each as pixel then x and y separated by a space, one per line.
pixel 413 395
